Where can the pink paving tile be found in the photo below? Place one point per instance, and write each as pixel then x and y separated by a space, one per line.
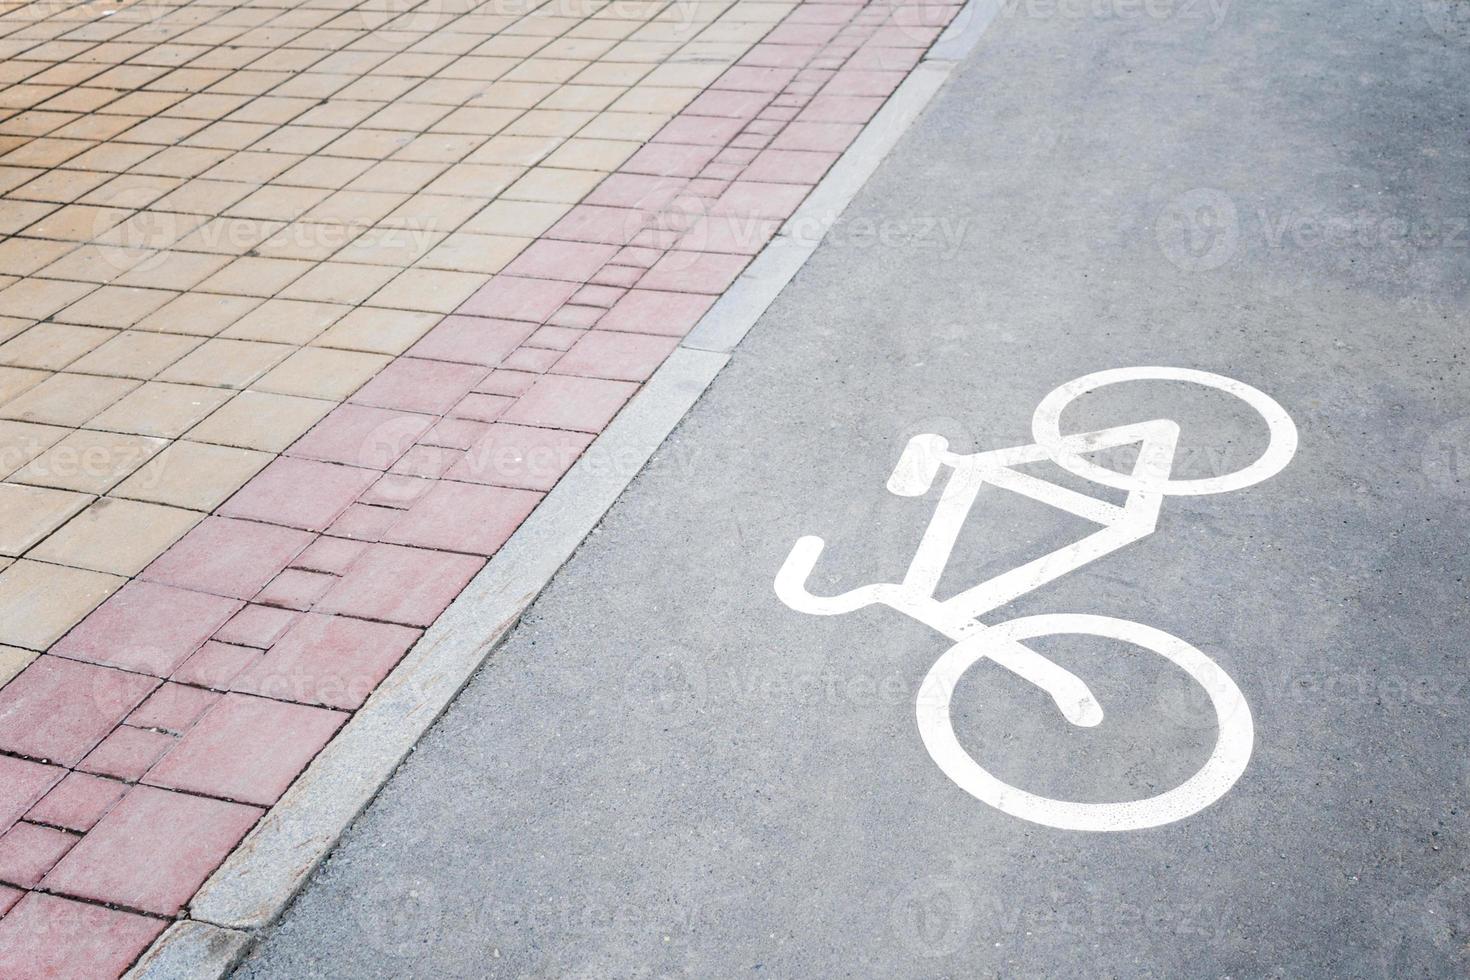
pixel 572 261
pixel 640 192
pixel 428 462
pixel 330 555
pixel 260 626
pixel 481 408
pixel 295 588
pixel 394 584
pixel 694 272
pixel 215 665
pixel 577 317
pixel 361 436
pixel 328 660
pixel 656 311
pixel 533 358
pixel 841 108
pixel 781 55
pixel 670 159
pixel 464 517
pixel 561 402
pixel 77 802
pixel 301 493
pixel 152 851
pixel 27 852
pixel 609 225
pixel 365 523
pixel 507 383
pixel 521 456
pixel 622 356
pixel 754 78
pixel 172 708
pixel 396 491
pixel 147 627
pixel 412 384
pixel 824 136
pixel 59 709
pixel 552 338
pixel 790 166
pixel 702 130
pixel 595 295
pixel 515 298
pixel 618 275
pixel 734 105
pixel 8 897
pixel 739 234
pixel 247 749
pixel 747 197
pixel 796 33
pixel 126 753
pixel 472 340
pixel 896 58
pixel 47 936
pixel 22 783
pixel 859 82
pixel 643 258
pixel 228 557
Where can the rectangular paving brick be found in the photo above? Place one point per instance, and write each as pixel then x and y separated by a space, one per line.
pixel 472 340
pixel 300 493
pixel 147 627
pixel 521 456
pixel 359 435
pixel 152 851
pixel 47 936
pixel 247 749
pixel 412 384
pixel 215 665
pixel 228 557
pixel 584 404
pixel 620 356
pixel 463 517
pixel 328 660
pixel 22 783
pixel 172 708
pixel 58 709
pixel 77 802
pixel 28 851
pixel 127 753
pixel 395 584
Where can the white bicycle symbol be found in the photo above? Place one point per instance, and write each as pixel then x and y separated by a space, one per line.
pixel 1147 485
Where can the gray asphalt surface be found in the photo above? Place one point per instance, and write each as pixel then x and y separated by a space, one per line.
pixel 666 772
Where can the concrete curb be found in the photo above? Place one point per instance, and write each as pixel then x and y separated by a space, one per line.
pixel 260 879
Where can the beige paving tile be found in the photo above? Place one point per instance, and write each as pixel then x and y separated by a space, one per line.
pixel 226 363
pixel 21 442
pixel 340 282
pixel 315 372
pixel 554 185
pixel 261 420
pixel 173 270
pixel 193 475
pixel 161 409
pixel 116 536
pixel 251 276
pixel 39 298
pixel 28 514
pixel 23 256
pixel 469 252
pixel 39 602
pixel 378 331
pixel 428 289
pixel 13 660
pixel 199 314
pixel 89 461
pixel 115 306
pixel 520 219
pixel 136 354
pixel 66 399
pixel 51 346
pixel 286 321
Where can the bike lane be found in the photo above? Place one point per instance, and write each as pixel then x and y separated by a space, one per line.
pixel 666 770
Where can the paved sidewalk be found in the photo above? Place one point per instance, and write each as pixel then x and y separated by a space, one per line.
pixel 303 311
pixel 667 772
